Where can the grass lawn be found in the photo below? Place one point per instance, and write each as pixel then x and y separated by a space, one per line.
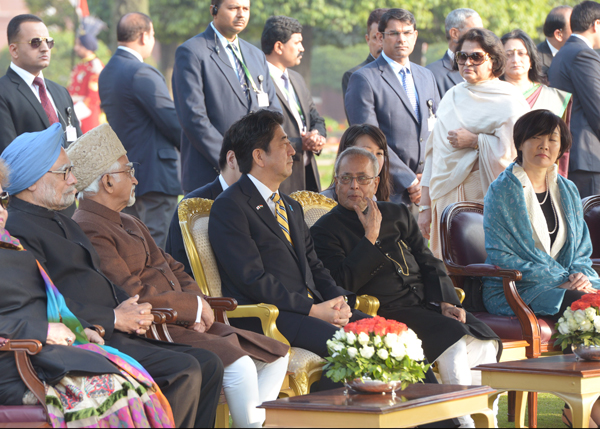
pixel 549 412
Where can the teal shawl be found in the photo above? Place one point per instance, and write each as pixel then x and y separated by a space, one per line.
pixel 510 244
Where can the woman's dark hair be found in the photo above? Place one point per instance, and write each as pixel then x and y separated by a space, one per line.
pixel 253 131
pixel 349 139
pixel 540 123
pixel 535 72
pixel 490 43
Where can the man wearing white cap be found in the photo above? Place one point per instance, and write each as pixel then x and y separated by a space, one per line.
pixel 42 184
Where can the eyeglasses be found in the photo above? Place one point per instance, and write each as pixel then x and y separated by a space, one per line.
pixel 64 172
pixel 130 170
pixel 36 42
pixel 396 34
pixel 362 180
pixel 477 58
pixel 517 52
pixel 4 200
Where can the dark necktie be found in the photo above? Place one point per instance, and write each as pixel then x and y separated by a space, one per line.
pixel 240 71
pixel 45 100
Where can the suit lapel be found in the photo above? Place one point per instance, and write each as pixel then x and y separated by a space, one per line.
pixel 453 75
pixel 283 99
pixel 421 88
pixel 303 101
pixel 221 58
pixel 30 96
pixel 388 75
pixel 297 233
pixel 56 97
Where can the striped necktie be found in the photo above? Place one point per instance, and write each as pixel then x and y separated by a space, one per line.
pixel 282 216
pixel 409 86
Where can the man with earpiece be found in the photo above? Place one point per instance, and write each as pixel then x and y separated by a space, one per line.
pixel 218 78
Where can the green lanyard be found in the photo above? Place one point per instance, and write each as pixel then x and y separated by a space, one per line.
pixel 246 71
pixel 289 97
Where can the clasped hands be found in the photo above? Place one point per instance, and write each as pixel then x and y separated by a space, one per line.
pixel 207 318
pixel 312 141
pixel 453 312
pixel 132 317
pixel 580 282
pixel 335 311
pixel 462 139
pixel 60 335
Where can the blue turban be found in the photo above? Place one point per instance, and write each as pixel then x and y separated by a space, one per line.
pixel 31 155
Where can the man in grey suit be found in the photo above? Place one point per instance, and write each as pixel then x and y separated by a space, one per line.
pixel 281 42
pixel 217 79
pixel 374 43
pixel 399 97
pixel 458 22
pixel 140 110
pixel 557 30
pixel 576 69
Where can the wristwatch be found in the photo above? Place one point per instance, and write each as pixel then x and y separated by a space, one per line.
pixel 346 299
pixel 423 208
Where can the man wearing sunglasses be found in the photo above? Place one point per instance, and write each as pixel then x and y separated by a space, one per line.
pixel 28 102
pixel 400 98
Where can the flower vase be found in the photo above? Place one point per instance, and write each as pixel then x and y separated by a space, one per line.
pixel 367 385
pixel 588 353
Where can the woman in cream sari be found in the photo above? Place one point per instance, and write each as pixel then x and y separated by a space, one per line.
pixel 523 70
pixel 471 143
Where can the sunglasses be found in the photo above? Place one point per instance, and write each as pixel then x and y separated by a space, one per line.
pixel 4 200
pixel 36 42
pixel 477 58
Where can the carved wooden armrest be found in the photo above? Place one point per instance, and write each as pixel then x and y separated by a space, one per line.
pixel 267 313
pixel 99 329
pixel 483 270
pixel 22 350
pixel 159 329
pixel 367 304
pixel 220 306
pixel 164 315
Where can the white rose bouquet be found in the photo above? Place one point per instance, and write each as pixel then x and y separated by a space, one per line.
pixel 580 323
pixel 377 349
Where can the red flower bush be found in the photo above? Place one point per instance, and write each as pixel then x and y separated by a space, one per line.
pixel 586 301
pixel 377 325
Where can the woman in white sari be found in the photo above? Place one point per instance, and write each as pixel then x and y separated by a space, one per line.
pixel 471 143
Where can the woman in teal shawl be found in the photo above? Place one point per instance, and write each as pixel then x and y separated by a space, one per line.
pixel 87 383
pixel 533 222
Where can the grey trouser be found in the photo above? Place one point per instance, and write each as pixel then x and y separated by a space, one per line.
pixel 155 209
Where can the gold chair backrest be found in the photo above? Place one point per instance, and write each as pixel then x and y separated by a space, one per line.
pixel 314 205
pixel 193 220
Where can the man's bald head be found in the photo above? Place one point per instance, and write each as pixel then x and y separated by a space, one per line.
pixel 132 26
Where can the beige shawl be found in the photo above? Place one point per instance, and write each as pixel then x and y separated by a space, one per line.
pixel 489 109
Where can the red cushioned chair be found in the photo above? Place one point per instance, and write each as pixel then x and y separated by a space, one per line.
pixel 591 214
pixel 463 250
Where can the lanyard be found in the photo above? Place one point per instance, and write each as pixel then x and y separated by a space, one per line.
pixel 246 71
pixel 291 100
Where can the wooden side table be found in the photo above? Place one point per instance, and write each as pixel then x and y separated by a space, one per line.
pixel 417 405
pixel 575 382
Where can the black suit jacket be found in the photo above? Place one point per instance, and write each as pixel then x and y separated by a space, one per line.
pixel 445 76
pixel 256 262
pixel 348 75
pixel 545 56
pixel 175 246
pixel 302 178
pixel 576 69
pixel 21 112
pixel 364 268
pixel 23 315
pixel 140 110
pixel 209 99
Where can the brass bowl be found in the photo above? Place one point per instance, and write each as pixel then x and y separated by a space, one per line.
pixel 366 385
pixel 583 352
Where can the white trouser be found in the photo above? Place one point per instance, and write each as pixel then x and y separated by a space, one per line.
pixel 247 384
pixel 454 366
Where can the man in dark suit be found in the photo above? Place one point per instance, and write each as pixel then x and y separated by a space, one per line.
pixel 140 110
pixel 217 79
pixel 41 184
pixel 28 101
pixel 399 97
pixel 282 44
pixel 458 22
pixel 263 246
pixel 557 30
pixel 576 69
pixel 374 43
pixel 230 173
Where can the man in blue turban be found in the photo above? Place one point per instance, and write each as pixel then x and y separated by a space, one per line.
pixel 40 170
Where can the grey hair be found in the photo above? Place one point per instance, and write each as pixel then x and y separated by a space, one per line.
pixel 457 18
pixel 357 151
pixel 94 187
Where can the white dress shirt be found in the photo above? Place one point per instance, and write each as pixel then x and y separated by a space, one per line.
pixel 552 48
pixel 585 39
pixel 265 192
pixel 28 78
pixel 451 54
pixel 132 52
pixel 224 43
pixel 223 183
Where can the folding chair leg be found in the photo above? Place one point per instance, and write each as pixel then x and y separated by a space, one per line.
pixel 532 406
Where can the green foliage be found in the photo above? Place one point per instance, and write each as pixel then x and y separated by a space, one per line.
pixel 329 63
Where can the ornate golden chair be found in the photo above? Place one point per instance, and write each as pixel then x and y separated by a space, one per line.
pixel 306 367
